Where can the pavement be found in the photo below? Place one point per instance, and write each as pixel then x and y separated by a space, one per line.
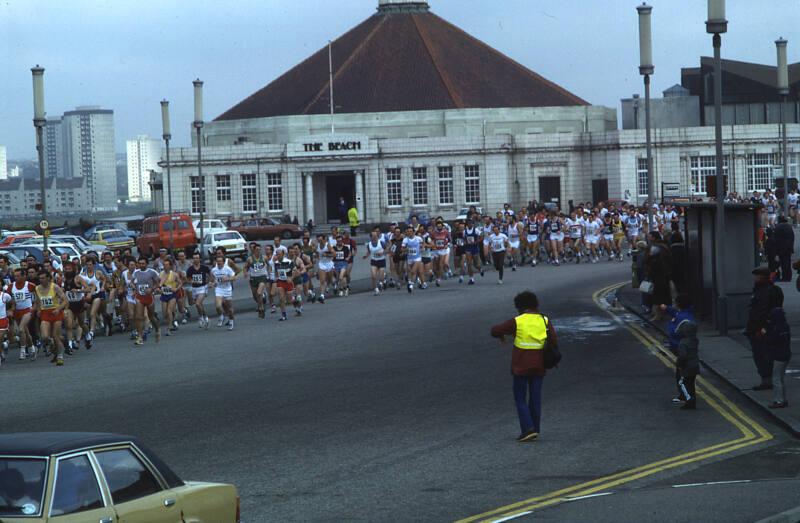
pixel 398 408
pixel 730 357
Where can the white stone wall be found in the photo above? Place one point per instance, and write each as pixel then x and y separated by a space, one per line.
pixel 511 167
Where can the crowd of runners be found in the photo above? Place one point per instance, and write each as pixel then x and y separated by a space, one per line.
pixel 56 307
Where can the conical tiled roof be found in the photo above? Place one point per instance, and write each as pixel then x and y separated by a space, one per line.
pixel 403 58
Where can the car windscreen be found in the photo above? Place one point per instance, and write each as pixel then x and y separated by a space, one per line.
pixel 61 250
pixel 21 485
pixel 225 236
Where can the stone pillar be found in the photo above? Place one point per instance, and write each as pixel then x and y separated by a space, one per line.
pixel 309 197
pixel 360 195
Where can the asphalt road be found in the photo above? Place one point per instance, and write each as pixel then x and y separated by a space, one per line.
pixel 399 408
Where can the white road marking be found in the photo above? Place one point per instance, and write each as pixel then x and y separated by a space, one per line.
pixel 509 518
pixel 590 496
pixel 712 483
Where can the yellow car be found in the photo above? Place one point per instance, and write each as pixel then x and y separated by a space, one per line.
pixel 71 477
pixel 111 239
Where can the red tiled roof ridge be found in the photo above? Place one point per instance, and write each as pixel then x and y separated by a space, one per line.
pixel 578 100
pixel 344 66
pixel 457 101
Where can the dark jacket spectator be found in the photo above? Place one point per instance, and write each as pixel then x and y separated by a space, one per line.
pixel 771 249
pixel 778 337
pixel 766 296
pixel 658 269
pixel 784 246
pixel 677 250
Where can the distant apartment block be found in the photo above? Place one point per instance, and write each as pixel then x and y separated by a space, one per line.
pixel 144 154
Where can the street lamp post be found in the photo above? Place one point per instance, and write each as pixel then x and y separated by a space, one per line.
pixel 783 90
pixel 198 124
pixel 716 25
pixel 39 121
pixel 167 135
pixel 646 68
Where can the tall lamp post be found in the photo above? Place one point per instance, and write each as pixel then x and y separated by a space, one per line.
pixel 716 25
pixel 783 90
pixel 39 122
pixel 198 125
pixel 646 68
pixel 167 135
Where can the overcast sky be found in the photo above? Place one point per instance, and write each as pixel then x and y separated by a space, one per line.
pixel 126 55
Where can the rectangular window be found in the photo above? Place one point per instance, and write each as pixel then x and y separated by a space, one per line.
pixel 759 172
pixel 446 186
pixel 420 185
pixel 249 194
pixel 198 195
pixel 224 188
pixel 274 192
pixel 641 177
pixel 394 187
pixel 472 184
pixel 700 167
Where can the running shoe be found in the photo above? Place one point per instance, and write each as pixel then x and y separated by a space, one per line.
pixel 59 361
pixel 481 273
pixel 460 279
pixel 471 281
pixel 513 268
pixel 322 299
pixel 499 282
pixel 283 317
pixel 273 309
pixel 32 351
pixel 410 288
pixel 347 291
pixel 230 325
pixel 376 292
pixel 438 283
pixel 139 342
pixel 22 353
pixel 528 436
pixel 221 322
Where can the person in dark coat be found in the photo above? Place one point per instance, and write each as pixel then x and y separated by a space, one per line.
pixel 683 342
pixel 778 338
pixel 771 249
pixel 658 267
pixel 677 250
pixel 766 296
pixel 784 244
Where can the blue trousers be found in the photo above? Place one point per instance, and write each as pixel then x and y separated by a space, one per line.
pixel 528 397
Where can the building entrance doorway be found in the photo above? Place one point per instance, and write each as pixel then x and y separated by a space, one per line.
pixel 338 186
pixel 550 190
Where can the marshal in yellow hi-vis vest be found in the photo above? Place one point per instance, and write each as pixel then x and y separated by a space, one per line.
pixel 531 331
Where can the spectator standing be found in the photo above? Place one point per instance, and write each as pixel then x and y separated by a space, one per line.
pixel 352 218
pixel 677 249
pixel 683 342
pixel 657 268
pixel 778 338
pixel 766 296
pixel 784 246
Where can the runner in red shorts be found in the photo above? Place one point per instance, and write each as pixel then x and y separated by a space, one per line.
pixel 50 303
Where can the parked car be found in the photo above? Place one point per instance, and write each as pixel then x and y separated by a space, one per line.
pixel 81 477
pixel 254 229
pixel 56 249
pixel 13 261
pixel 111 226
pixel 462 214
pixel 17 238
pixel 232 241
pixel 23 251
pixel 80 243
pixel 209 227
pixel 111 239
pixel 18 233
pixel 156 233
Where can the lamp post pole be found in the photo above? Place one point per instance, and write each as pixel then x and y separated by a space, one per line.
pixel 646 68
pixel 167 135
pixel 783 90
pixel 717 25
pixel 39 121
pixel 198 124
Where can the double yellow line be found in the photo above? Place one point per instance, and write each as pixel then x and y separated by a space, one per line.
pixel 751 434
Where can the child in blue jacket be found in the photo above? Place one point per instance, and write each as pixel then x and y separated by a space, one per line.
pixel 683 342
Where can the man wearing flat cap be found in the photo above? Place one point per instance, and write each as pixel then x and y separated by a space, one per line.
pixel 766 296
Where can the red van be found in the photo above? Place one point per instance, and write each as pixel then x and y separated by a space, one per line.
pixel 156 234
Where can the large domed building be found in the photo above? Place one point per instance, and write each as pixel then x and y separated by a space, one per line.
pixel 424 118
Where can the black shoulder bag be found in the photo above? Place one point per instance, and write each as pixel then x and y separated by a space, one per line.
pixel 552 356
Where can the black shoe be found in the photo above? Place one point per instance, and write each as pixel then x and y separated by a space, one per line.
pixel 528 436
pixel 763 386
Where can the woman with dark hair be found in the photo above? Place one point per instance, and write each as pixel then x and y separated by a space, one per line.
pixel 531 331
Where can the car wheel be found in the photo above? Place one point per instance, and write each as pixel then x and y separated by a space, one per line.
pixel 286 235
